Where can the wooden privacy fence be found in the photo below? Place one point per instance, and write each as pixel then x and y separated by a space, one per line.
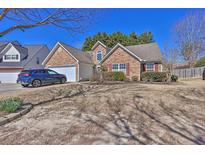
pixel 189 72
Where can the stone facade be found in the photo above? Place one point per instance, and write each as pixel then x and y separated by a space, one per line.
pixel 120 56
pixel 99 47
pixel 61 58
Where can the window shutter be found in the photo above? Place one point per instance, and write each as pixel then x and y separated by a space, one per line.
pixel 109 67
pixel 127 69
pixel 144 67
pixel 156 67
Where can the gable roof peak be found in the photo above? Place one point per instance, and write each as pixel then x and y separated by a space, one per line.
pixel 98 42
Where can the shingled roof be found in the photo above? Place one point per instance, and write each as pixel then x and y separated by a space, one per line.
pixel 27 53
pixel 78 54
pixel 147 52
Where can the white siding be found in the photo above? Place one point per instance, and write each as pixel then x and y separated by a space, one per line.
pixel 12 51
pixel 68 71
pixel 85 71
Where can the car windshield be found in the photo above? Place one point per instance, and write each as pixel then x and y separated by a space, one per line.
pixel 51 72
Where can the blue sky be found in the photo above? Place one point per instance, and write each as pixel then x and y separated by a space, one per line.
pixel 158 21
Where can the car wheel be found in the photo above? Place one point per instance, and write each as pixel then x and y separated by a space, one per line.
pixel 36 83
pixel 25 85
pixel 63 80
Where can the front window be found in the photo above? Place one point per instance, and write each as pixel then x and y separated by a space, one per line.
pixel 115 67
pixel 99 56
pixel 119 67
pixel 11 57
pixel 149 67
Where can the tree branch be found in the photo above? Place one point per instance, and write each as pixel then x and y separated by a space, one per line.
pixel 4 13
pixel 21 27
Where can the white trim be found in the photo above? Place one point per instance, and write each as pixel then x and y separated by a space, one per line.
pixel 53 51
pixel 161 67
pixel 122 48
pixel 101 56
pixel 98 42
pixel 15 60
pixel 119 70
pixel 6 47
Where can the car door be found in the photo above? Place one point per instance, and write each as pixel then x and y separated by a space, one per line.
pixel 53 76
pixel 43 76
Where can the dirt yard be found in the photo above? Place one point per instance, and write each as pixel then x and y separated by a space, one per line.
pixel 113 114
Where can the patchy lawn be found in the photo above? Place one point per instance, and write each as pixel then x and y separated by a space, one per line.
pixel 113 114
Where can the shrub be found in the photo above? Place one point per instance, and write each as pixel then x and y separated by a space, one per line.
pixel 154 76
pixel 104 68
pixel 174 78
pixel 10 104
pixel 135 78
pixel 107 76
pixel 114 76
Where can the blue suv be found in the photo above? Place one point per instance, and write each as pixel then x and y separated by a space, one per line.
pixel 38 77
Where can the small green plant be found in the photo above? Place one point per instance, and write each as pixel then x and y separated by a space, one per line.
pixel 154 76
pixel 174 78
pixel 135 78
pixel 10 104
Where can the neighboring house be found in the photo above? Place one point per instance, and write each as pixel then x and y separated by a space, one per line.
pixel 15 57
pixel 132 60
pixel 72 62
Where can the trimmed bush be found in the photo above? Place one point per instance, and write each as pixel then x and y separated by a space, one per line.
pixel 154 76
pixel 135 78
pixel 10 104
pixel 174 78
pixel 114 76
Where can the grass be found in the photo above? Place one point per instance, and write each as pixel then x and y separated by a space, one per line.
pixel 10 105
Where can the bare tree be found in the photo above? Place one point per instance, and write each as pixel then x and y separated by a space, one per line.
pixel 170 57
pixel 189 35
pixel 72 20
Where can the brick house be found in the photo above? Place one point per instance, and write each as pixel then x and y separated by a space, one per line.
pixel 72 62
pixel 78 65
pixel 132 60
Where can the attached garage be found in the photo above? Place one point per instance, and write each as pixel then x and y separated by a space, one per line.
pixel 9 76
pixel 68 71
pixel 72 62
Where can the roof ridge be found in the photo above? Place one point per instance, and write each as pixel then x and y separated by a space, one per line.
pixel 69 46
pixel 141 44
pixel 34 45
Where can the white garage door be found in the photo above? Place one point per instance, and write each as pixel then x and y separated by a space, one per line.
pixel 9 77
pixel 68 71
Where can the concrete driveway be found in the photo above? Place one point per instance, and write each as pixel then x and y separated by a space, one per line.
pixel 10 88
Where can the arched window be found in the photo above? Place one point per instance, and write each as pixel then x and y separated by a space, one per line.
pixel 99 56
